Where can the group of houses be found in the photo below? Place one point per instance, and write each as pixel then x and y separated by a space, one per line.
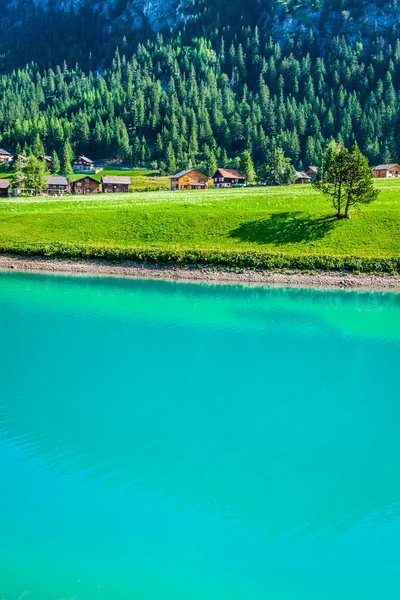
pixel 58 185
pixel 193 179
pixel 190 179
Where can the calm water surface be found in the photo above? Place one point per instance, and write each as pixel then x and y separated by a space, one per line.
pixel 172 441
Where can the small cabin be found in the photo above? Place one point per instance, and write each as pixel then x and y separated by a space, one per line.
pixel 56 186
pixel 19 157
pixel 228 178
pixel 191 179
pixel 82 163
pixel 4 188
pixel 85 185
pixel 47 160
pixel 387 171
pixel 302 177
pixel 5 157
pixel 115 185
pixel 312 172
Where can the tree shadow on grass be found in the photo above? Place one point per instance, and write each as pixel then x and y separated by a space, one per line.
pixel 285 228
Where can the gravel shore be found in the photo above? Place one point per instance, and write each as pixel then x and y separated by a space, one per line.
pixel 130 269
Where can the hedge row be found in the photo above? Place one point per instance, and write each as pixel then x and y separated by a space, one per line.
pixel 232 259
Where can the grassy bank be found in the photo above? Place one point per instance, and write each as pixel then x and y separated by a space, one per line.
pixel 265 228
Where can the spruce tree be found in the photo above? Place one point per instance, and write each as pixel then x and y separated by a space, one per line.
pixel 38 148
pixel 247 166
pixel 55 163
pixel 211 165
pixel 170 160
pixel 67 157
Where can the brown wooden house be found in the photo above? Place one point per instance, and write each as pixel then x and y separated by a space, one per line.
pixel 5 157
pixel 387 171
pixel 4 188
pixel 191 179
pixel 47 159
pixel 302 177
pixel 228 178
pixel 19 157
pixel 82 163
pixel 56 186
pixel 312 172
pixel 85 185
pixel 115 184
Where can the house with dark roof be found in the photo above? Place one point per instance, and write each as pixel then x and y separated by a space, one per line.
pixel 4 188
pixel 85 185
pixel 56 186
pixel 302 177
pixel 47 159
pixel 115 184
pixel 19 157
pixel 387 171
pixel 312 172
pixel 82 163
pixel 228 178
pixel 5 157
pixel 191 179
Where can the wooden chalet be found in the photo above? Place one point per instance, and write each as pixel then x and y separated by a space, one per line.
pixel 56 186
pixel 115 184
pixel 47 159
pixel 4 188
pixel 85 185
pixel 82 163
pixel 228 178
pixel 191 179
pixel 5 157
pixel 387 171
pixel 312 172
pixel 302 177
pixel 19 157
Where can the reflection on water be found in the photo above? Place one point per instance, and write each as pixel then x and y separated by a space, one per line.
pixel 229 428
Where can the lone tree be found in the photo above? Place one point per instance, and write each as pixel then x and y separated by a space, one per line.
pixel 247 167
pixel 278 171
pixel 347 179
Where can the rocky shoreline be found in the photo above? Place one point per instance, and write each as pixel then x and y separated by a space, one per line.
pixel 129 269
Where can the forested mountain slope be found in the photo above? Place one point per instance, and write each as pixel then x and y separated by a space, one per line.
pixel 199 81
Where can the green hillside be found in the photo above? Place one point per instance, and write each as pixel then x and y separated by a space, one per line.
pixel 222 78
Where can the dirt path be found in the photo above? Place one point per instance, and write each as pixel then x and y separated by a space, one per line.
pixel 202 274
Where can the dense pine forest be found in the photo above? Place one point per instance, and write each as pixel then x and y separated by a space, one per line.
pixel 203 89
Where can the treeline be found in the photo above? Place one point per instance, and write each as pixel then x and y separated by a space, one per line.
pixel 174 104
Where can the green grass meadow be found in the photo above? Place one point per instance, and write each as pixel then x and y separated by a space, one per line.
pixel 260 227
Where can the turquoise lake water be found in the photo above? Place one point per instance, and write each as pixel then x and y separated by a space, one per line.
pixel 171 441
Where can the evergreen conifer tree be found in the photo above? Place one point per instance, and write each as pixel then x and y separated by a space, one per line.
pixel 67 157
pixel 247 166
pixel 55 163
